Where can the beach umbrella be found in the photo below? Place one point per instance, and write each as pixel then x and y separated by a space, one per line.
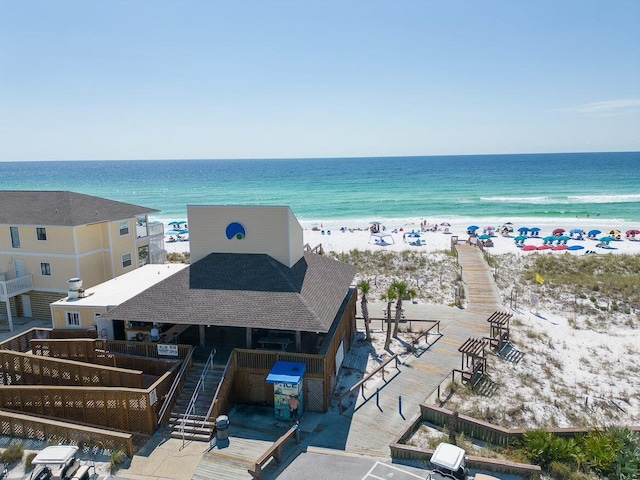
pixel 633 233
pixel 563 238
pixel 550 238
pixel 529 248
pixel 560 247
pixel 490 228
pixel 520 238
pixel 534 229
pixel 473 228
pixel 606 239
pixel 484 237
pixel 544 247
pixel 445 224
pixel 593 233
pixel 558 231
pixel 614 232
pixel 176 223
pixel 523 230
pixel 576 231
pixel 576 247
pixel 508 223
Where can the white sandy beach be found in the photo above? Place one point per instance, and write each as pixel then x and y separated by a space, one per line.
pixel 357 236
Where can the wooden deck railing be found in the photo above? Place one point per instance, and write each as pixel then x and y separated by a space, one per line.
pixel 360 384
pixel 275 452
pixel 38 428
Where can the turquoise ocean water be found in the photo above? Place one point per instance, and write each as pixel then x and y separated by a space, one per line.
pixel 541 186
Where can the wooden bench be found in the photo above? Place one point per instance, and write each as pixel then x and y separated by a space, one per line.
pixel 275 452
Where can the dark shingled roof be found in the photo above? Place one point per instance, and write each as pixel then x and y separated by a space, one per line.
pixel 246 290
pixel 62 208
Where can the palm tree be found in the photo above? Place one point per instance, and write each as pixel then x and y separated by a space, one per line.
pixel 365 287
pixel 402 290
pixel 389 297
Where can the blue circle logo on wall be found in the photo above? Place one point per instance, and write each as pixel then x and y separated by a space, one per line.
pixel 235 230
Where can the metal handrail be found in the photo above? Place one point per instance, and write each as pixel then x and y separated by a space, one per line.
pixel 192 403
pixel 215 396
pixel 174 386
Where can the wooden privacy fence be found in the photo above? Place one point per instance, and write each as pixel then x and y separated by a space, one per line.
pixel 24 426
pixel 23 369
pixel 97 352
pixel 144 349
pixel 125 409
pixel 80 349
pixel 22 343
pixel 489 432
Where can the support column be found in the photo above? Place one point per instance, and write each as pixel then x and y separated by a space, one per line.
pixel 298 341
pixel 9 318
pixel 202 335
pixel 249 337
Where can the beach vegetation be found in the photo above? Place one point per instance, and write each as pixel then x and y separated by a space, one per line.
pixel 364 286
pixel 12 454
pixel 402 290
pixel 116 460
pixel 612 453
pixel 389 296
pixel 28 461
pixel 178 257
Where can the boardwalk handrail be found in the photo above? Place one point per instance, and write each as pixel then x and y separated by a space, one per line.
pixel 317 249
pixel 174 386
pixel 215 396
pixel 274 451
pixel 436 324
pixel 361 383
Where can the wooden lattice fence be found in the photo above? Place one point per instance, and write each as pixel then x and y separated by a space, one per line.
pixel 24 426
pixel 23 369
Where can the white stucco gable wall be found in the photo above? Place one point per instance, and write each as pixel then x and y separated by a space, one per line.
pixel 274 231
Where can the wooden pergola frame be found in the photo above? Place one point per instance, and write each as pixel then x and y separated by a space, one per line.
pixel 474 362
pixel 498 329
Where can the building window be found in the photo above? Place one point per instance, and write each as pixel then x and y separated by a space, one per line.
pixel 126 260
pixel 15 237
pixel 73 319
pixel 45 269
pixel 124 228
pixel 41 232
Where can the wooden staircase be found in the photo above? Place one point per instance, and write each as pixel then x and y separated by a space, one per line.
pixel 196 426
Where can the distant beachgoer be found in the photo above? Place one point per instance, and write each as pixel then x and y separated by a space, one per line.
pixel 404 237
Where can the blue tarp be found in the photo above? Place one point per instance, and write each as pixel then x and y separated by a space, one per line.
pixel 286 372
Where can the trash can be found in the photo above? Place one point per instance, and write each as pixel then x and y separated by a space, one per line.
pixel 222 427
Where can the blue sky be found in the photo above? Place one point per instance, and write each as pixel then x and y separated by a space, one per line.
pixel 268 79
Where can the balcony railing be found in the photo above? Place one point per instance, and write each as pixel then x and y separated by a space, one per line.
pixel 149 229
pixel 15 286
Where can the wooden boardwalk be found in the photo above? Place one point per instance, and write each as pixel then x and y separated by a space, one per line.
pixel 367 427
pixel 480 288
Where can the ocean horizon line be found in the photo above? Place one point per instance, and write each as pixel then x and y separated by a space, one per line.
pixel 303 158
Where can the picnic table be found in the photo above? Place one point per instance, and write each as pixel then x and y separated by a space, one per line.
pixel 272 340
